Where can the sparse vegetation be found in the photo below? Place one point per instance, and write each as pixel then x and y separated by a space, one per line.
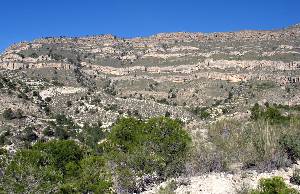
pixel 274 185
pixel 74 139
pixel 271 114
pixel 255 144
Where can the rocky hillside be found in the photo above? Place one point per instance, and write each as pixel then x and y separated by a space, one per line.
pixel 182 71
pixel 198 78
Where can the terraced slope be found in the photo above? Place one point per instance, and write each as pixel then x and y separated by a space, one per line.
pixel 196 77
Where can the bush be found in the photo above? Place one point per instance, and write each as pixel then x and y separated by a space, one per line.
pixel 34 55
pixel 19 114
pixel 8 114
pixel 163 101
pixel 23 95
pixel 274 185
pixel 204 114
pixel 61 152
pixel 5 136
pixel 91 135
pixel 295 179
pixel 57 83
pixel 291 144
pixel 47 110
pixel 253 144
pixel 35 93
pixel 167 114
pixel 69 103
pixel 29 172
pixel 61 119
pixel 48 131
pixel 138 148
pixel 168 189
pixel 56 167
pixel 201 112
pixel 271 114
pixel 109 88
pixel 29 134
pixel 61 133
pixel 63 128
pixel 48 99
pixel 94 176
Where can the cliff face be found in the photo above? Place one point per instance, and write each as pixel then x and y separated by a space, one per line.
pixel 234 56
pixel 184 68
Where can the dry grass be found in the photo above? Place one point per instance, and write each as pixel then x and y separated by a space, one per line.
pixel 252 144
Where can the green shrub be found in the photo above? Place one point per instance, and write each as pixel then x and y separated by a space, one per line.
pixel 265 85
pixel 253 144
pixel 5 136
pixel 34 55
pixel 62 119
pixel 29 134
pixel 295 179
pixel 47 110
pixel 274 185
pixel 268 141
pixel 157 146
pixel 56 167
pixel 167 114
pixel 57 83
pixel 3 151
pixel 163 101
pixel 48 131
pixel 168 189
pixel 94 175
pixel 91 135
pixel 69 103
pixel 204 114
pixel 291 144
pixel 48 99
pixel 30 171
pixel 23 95
pixel 201 112
pixel 89 176
pixel 271 114
pixel 61 152
pixel 63 127
pixel 61 133
pixel 8 114
pixel 35 93
pixel 19 114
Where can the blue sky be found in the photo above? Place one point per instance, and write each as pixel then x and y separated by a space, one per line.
pixel 22 20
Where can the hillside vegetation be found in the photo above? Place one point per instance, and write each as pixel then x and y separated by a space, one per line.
pixel 170 113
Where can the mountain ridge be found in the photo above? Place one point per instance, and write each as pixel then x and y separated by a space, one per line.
pixel 112 36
